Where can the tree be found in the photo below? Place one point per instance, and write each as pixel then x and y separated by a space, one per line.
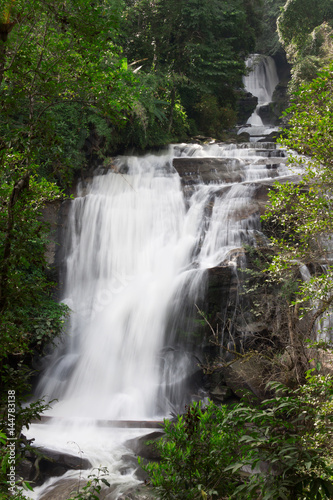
pixel 305 31
pixel 300 215
pixel 268 40
pixel 199 47
pixel 60 54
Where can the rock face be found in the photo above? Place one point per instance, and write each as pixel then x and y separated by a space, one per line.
pixel 64 488
pixel 217 170
pixel 246 105
pixel 232 325
pixel 247 376
pixel 208 170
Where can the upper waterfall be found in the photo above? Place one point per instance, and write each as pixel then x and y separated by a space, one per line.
pixel 261 82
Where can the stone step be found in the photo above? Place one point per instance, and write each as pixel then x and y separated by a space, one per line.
pixel 129 424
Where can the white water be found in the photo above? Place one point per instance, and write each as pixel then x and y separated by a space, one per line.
pixel 260 82
pixel 137 256
pixel 129 244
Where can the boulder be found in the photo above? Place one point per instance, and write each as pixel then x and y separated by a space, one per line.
pixel 61 490
pixel 69 488
pixel 53 463
pixel 145 446
pixel 247 103
pixel 220 394
pixel 247 375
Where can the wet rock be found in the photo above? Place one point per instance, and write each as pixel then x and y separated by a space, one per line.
pixel 209 170
pixel 221 293
pixel 243 137
pixel 61 490
pixel 247 103
pixel 53 463
pixel 273 136
pixel 25 469
pixel 68 488
pixel 145 446
pixel 131 465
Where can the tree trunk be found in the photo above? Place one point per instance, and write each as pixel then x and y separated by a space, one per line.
pixel 297 345
pixel 19 187
pixel 173 99
pixel 2 59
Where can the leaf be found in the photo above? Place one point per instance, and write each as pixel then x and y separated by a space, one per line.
pixel 27 486
pixel 105 482
pixel 234 467
pixel 3 438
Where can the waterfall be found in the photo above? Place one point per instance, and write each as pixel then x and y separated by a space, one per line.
pixel 131 244
pixel 141 239
pixel 260 82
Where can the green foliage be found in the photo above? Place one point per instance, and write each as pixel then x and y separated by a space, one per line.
pixel 305 31
pixel 93 487
pixel 299 17
pixel 194 453
pixel 198 48
pixel 287 444
pixel 284 443
pixel 28 315
pixel 301 212
pixel 61 67
pixel 268 40
pixel 212 119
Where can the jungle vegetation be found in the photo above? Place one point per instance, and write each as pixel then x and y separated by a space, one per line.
pixel 81 80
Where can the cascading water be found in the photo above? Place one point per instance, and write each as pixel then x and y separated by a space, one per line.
pixel 260 82
pixel 130 243
pixel 138 253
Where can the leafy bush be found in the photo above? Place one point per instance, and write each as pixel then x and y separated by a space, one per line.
pixel 194 454
pixel 279 449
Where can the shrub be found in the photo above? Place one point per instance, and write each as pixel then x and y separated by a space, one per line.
pixel 194 454
pixel 280 448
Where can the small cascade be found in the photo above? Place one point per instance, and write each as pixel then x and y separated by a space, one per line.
pixel 142 241
pixel 260 82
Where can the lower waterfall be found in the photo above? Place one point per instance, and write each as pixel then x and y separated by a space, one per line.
pixel 141 238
